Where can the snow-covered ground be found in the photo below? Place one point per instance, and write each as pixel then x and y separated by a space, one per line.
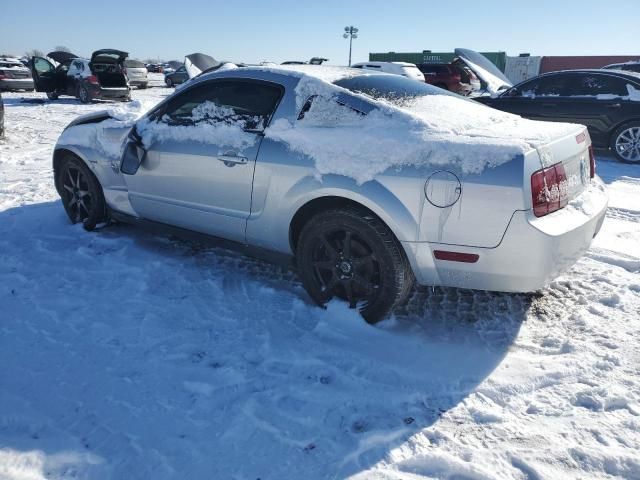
pixel 129 355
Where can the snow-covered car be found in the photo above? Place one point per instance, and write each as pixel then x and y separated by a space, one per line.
pixel 100 78
pixel 369 180
pixel 409 70
pixel 14 75
pixel 136 73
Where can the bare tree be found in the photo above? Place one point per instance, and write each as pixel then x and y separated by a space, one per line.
pixel 34 53
pixel 62 48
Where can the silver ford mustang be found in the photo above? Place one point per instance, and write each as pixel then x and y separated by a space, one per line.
pixel 370 181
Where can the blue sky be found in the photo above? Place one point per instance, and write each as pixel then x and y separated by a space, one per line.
pixel 251 30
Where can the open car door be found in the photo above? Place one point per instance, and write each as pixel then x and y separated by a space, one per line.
pixel 493 80
pixel 44 74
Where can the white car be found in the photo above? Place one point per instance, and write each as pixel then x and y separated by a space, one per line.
pixel 397 68
pixel 136 72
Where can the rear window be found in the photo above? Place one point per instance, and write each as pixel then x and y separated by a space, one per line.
pixel 134 64
pixel 394 88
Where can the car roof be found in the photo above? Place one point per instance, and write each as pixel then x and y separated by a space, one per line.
pixel 321 72
pixel 615 73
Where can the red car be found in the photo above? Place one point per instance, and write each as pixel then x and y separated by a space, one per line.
pixel 455 77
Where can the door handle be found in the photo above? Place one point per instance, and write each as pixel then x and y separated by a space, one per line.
pixel 549 105
pixel 231 158
pixel 614 105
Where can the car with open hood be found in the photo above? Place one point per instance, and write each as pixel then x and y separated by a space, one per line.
pixel 14 75
pixel 370 181
pixel 102 77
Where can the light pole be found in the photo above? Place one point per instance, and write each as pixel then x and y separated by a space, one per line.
pixel 350 32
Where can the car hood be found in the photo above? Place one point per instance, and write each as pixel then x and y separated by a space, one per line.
pixel 196 63
pixel 108 55
pixel 495 80
pixel 61 57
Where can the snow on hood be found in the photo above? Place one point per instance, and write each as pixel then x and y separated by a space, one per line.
pixel 106 135
pixel 433 130
pixel 495 80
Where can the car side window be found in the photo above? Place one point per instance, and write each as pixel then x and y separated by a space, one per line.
pixel 42 66
pixel 244 103
pixel 592 85
pixel 548 86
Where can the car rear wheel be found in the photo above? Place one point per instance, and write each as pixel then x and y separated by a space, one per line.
pixel 81 193
pixel 352 255
pixel 83 94
pixel 169 82
pixel 625 143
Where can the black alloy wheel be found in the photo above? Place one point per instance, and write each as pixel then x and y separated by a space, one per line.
pixel 351 255
pixel 81 194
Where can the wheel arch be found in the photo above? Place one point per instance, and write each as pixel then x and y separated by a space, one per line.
pixel 401 224
pixel 58 156
pixel 616 127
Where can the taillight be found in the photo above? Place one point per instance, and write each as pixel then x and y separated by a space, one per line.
pixel 592 162
pixel 549 190
pixel 92 79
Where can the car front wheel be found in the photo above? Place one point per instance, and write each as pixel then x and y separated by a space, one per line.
pixel 52 95
pixel 169 82
pixel 625 143
pixel 81 193
pixel 352 255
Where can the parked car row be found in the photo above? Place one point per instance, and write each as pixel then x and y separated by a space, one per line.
pixel 102 77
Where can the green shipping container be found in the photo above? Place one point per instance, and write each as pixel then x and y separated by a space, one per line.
pixel 498 58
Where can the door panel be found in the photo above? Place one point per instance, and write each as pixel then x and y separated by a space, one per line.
pixel 187 184
pixel 44 74
pixel 202 147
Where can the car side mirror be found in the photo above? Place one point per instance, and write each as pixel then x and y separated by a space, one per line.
pixel 133 154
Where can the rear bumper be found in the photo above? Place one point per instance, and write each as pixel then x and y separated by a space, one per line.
pixel 16 84
pixel 532 252
pixel 138 82
pixel 105 93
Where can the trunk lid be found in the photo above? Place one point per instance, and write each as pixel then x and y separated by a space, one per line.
pixel 493 79
pixel 108 55
pixel 62 57
pixel 573 152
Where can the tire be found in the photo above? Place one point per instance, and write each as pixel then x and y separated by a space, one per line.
pixel 350 254
pixel 142 86
pixel 83 94
pixel 625 143
pixel 52 95
pixel 81 193
pixel 169 82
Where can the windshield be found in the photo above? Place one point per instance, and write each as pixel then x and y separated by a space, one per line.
pixel 393 88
